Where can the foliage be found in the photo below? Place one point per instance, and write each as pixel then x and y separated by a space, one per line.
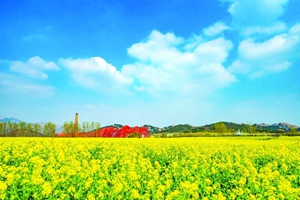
pixel 220 127
pixel 134 135
pixel 22 129
pixel 49 129
pixel 37 128
pixel 231 127
pixel 190 168
pixel 294 130
pixel 68 128
pixel 179 128
pixel 249 128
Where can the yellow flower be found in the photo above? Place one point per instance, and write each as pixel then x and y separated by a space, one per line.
pixel 157 165
pixel 133 176
pixel 151 184
pixel 209 190
pixel 88 183
pixel 3 186
pixel 213 170
pixel 172 195
pixel 100 195
pixel 242 181
pixel 281 196
pixel 232 195
pixel 207 181
pixel 239 191
pixel 37 180
pixel 175 164
pixel 168 183
pixel 10 178
pixel 137 184
pixel 135 194
pixel 220 196
pixel 47 189
pixel 161 188
pixel 118 188
pixel 71 189
pixel 91 197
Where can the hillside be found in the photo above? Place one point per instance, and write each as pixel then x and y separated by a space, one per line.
pixel 186 128
pixel 11 119
pixel 232 127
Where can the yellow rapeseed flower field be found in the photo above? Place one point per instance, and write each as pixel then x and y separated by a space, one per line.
pixel 152 168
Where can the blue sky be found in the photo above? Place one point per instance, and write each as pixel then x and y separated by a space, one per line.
pixel 150 62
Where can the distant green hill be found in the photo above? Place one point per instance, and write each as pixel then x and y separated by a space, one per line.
pixel 231 127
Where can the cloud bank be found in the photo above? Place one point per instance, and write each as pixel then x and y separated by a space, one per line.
pixel 28 78
pixel 95 73
pixel 164 64
pixel 268 45
pixel 34 68
pixel 257 16
pixel 273 55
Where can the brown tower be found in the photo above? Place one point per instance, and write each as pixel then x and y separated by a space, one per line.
pixel 76 124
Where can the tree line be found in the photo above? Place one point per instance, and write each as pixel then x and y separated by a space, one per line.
pixel 70 128
pixel 23 129
pixel 221 127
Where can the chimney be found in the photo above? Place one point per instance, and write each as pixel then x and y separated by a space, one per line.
pixel 76 124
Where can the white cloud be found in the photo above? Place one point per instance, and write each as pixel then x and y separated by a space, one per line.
pixel 257 16
pixel 164 67
pixel 163 45
pixel 269 45
pixel 95 73
pixel 15 84
pixel 27 78
pixel 213 51
pixel 35 67
pixel 215 29
pixel 269 56
pixel 277 27
pixel 256 12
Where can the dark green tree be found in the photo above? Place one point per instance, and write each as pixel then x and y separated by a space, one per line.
pixel 49 129
pixel 220 127
pixel 29 129
pixel 15 128
pixel 85 126
pixel 294 130
pixel 2 129
pixel 250 128
pixel 37 129
pixel 22 127
pixel 68 128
